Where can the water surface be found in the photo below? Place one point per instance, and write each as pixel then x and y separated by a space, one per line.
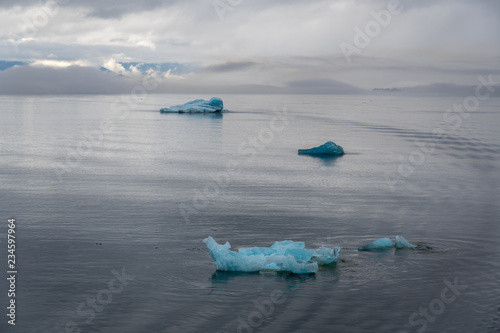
pixel 80 171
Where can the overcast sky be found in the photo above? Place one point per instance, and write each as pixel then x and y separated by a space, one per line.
pixel 287 44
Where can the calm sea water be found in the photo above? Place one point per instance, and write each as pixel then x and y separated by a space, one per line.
pixel 112 203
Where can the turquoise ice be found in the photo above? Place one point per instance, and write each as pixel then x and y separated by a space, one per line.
pixel 402 243
pixel 379 244
pixel 287 256
pixel 386 243
pixel 215 104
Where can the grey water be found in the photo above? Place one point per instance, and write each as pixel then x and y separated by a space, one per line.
pixel 112 201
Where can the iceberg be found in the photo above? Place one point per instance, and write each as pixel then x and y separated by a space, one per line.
pixel 215 104
pixel 227 260
pixel 286 256
pixel 327 149
pixel 326 255
pixel 379 244
pixel 402 243
pixel 386 243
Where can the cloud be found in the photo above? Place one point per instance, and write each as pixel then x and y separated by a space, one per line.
pixel 322 86
pixel 96 8
pixel 118 9
pixel 58 63
pixel 230 66
pixel 261 43
pixel 448 89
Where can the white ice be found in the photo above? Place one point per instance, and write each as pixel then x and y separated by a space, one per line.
pixel 287 256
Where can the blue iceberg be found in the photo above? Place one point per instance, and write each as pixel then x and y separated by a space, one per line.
pixel 386 243
pixel 326 255
pixel 215 104
pixel 286 256
pixel 402 243
pixel 379 244
pixel 327 149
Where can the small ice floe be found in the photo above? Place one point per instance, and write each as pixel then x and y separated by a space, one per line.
pixel 386 243
pixel 286 256
pixel 379 244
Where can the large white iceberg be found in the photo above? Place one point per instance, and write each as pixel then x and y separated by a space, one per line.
pixel 287 256
pixel 215 104
pixel 327 149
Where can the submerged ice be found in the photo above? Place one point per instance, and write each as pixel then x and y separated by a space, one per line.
pixel 215 104
pixel 327 149
pixel 286 255
pixel 386 243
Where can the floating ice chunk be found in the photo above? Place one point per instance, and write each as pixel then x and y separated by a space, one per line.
pixel 215 104
pixel 402 243
pixel 326 149
pixel 289 263
pixel 251 251
pixel 282 256
pixel 283 246
pixel 227 260
pixel 326 255
pixel 300 254
pixel 379 244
